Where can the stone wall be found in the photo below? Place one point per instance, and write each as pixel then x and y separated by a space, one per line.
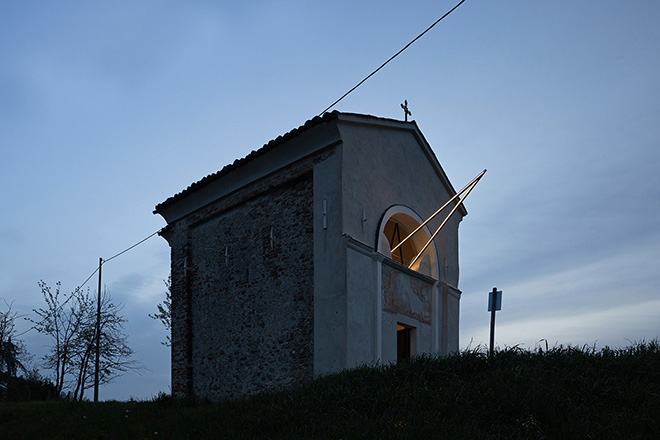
pixel 243 291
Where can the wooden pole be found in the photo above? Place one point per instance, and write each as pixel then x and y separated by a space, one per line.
pixel 98 336
pixel 492 319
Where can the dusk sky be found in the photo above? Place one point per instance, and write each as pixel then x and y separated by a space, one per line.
pixel 109 108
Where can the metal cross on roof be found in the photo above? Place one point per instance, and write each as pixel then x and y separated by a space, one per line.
pixel 406 112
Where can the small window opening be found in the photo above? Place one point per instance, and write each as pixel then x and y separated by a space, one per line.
pixel 404 342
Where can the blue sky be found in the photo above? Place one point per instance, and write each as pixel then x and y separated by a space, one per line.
pixel 107 109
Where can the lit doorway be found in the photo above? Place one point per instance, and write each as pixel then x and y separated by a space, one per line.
pixel 405 337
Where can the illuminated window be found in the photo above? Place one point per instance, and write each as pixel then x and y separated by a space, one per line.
pixel 398 222
pixel 395 231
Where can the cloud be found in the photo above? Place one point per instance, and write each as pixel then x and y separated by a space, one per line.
pixel 604 300
pixel 614 326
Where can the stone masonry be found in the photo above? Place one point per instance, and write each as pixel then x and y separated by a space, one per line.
pixel 248 258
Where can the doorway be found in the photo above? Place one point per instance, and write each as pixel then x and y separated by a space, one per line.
pixel 404 342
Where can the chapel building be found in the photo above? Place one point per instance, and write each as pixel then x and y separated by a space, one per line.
pixel 282 267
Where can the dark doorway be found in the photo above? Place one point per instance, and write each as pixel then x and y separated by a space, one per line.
pixel 403 343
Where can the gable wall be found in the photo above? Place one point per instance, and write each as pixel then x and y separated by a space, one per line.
pixel 242 319
pixel 384 166
pixel 387 166
pixel 252 309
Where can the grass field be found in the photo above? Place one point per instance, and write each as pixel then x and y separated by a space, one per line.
pixel 560 393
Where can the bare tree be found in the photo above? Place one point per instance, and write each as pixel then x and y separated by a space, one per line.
pixel 13 353
pixel 164 314
pixel 70 321
pixel 62 320
pixel 114 351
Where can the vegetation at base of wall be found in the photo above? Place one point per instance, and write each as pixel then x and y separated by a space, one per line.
pixel 557 393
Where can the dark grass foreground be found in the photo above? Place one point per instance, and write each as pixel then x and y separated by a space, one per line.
pixel 561 393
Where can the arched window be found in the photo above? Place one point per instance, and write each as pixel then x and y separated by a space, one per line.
pixel 397 223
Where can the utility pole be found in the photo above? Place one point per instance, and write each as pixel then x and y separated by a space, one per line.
pixel 98 336
pixel 494 303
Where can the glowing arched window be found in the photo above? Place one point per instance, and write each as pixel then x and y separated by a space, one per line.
pixel 397 223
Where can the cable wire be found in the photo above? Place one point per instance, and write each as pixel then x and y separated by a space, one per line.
pixel 88 278
pixel 328 108
pixel 115 256
pixel 392 57
pixel 131 247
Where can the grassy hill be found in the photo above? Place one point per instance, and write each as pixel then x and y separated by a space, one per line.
pixel 560 393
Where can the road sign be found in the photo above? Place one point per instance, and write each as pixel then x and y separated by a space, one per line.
pixel 498 300
pixel 494 304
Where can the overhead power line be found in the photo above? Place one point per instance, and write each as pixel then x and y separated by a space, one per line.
pixel 88 278
pixel 131 247
pixel 325 110
pixel 115 256
pixel 392 57
pixel 98 310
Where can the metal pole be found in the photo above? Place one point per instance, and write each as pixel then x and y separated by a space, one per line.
pixel 98 336
pixel 476 179
pixel 492 320
pixel 442 224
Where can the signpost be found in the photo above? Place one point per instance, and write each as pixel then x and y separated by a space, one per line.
pixel 494 303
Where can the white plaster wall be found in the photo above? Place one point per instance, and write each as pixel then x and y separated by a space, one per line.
pixel 372 168
pixel 453 317
pixel 408 298
pixel 390 165
pixel 330 325
pixel 423 336
pixel 361 306
pixel 388 337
